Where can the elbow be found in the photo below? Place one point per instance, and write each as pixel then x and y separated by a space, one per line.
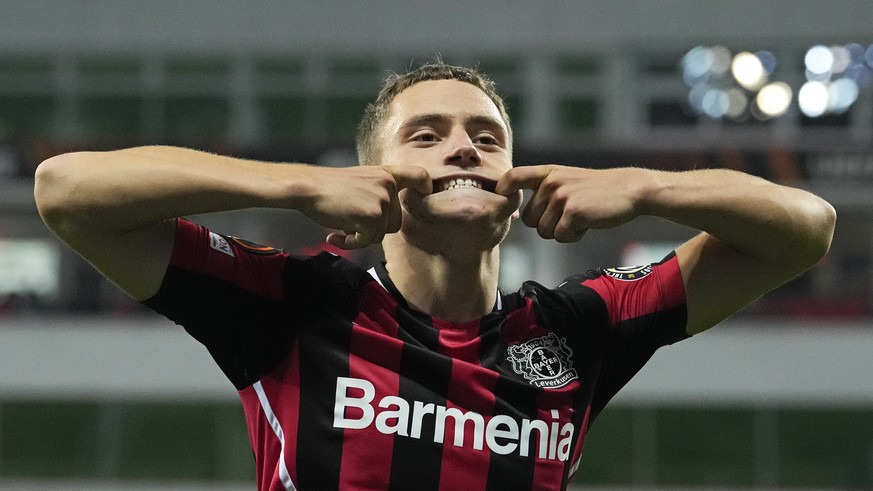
pixel 53 187
pixel 46 187
pixel 820 232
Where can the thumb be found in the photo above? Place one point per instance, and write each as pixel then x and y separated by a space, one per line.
pixel 412 177
pixel 517 178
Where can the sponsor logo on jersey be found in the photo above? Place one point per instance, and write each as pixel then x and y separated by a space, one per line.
pixel 545 362
pixel 354 409
pixel 629 273
pixel 220 244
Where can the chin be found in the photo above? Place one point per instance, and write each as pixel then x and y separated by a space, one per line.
pixel 466 205
pixel 472 229
pixel 473 215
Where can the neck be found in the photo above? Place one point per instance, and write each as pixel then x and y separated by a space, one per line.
pixel 451 287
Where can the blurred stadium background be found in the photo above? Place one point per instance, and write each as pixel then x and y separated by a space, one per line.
pixel 97 393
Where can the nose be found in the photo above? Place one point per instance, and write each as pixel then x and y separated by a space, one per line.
pixel 462 151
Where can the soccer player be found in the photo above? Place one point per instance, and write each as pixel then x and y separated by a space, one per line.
pixel 419 373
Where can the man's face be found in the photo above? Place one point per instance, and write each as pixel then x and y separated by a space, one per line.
pixel 455 132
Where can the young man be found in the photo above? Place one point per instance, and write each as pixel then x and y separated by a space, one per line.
pixel 420 374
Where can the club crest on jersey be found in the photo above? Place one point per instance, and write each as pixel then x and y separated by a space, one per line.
pixel 545 362
pixel 632 273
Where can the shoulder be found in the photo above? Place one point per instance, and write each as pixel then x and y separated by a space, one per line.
pixel 619 293
pixel 650 286
pixel 260 269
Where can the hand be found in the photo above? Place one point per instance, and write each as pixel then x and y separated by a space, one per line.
pixel 568 201
pixel 362 202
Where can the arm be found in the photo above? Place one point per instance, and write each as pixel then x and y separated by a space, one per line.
pixel 117 209
pixel 756 234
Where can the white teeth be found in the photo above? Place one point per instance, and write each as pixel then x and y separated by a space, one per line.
pixel 459 183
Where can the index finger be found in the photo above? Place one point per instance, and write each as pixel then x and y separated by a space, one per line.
pixel 412 177
pixel 517 178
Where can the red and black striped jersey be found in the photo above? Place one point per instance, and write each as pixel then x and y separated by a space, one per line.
pixel 344 386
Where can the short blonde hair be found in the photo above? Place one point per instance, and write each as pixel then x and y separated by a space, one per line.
pixel 377 111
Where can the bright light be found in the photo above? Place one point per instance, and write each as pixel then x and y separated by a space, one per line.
pixel 819 60
pixel 721 60
pixel 841 95
pixel 842 58
pixel 696 95
pixel 715 103
pixel 748 71
pixel 813 99
pixel 696 65
pixel 773 100
pixel 728 86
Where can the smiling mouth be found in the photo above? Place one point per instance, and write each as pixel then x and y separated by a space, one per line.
pixel 463 183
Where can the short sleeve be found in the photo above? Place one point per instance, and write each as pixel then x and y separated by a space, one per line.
pixel 228 294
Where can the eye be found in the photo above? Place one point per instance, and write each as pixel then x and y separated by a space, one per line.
pixel 425 137
pixel 486 139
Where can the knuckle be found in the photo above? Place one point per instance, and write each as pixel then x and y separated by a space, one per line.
pixel 384 180
pixel 576 217
pixel 561 195
pixel 371 215
pixel 565 235
pixel 545 232
pixel 528 219
pixel 550 186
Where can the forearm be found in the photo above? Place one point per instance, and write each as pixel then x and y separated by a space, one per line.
pixel 114 208
pixel 119 191
pixel 765 221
